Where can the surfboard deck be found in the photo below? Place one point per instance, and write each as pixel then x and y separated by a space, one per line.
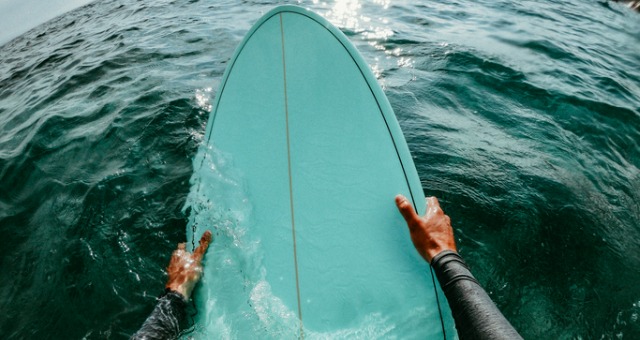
pixel 301 161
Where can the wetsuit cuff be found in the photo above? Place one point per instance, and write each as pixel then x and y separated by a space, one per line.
pixel 173 295
pixel 450 268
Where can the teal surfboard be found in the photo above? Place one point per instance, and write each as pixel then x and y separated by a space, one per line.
pixel 297 175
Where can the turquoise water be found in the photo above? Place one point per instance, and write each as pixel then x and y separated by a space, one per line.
pixel 523 117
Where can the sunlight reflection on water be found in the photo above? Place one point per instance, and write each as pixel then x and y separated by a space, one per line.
pixel 356 19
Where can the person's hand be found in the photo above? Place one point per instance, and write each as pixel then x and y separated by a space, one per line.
pixel 432 233
pixel 185 268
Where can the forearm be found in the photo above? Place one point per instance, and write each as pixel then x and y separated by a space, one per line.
pixel 164 321
pixel 476 316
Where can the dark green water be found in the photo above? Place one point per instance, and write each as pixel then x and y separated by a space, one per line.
pixel 523 117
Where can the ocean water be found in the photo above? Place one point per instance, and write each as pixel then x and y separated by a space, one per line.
pixel 523 118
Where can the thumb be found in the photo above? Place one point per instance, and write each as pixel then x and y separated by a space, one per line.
pixel 406 209
pixel 202 248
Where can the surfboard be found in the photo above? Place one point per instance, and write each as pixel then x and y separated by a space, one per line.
pixel 300 163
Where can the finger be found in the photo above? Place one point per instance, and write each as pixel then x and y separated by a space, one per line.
pixel 178 252
pixel 406 209
pixel 175 259
pixel 204 244
pixel 433 205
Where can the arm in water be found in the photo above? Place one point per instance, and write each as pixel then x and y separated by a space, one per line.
pixel 184 272
pixel 476 316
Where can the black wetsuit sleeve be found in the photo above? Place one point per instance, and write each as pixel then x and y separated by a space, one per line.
pixel 476 316
pixel 164 321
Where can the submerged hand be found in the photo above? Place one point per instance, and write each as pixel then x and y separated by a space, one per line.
pixel 432 233
pixel 185 268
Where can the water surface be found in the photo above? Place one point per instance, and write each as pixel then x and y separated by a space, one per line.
pixel 523 117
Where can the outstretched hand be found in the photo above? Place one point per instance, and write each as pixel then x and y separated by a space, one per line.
pixel 185 268
pixel 431 233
